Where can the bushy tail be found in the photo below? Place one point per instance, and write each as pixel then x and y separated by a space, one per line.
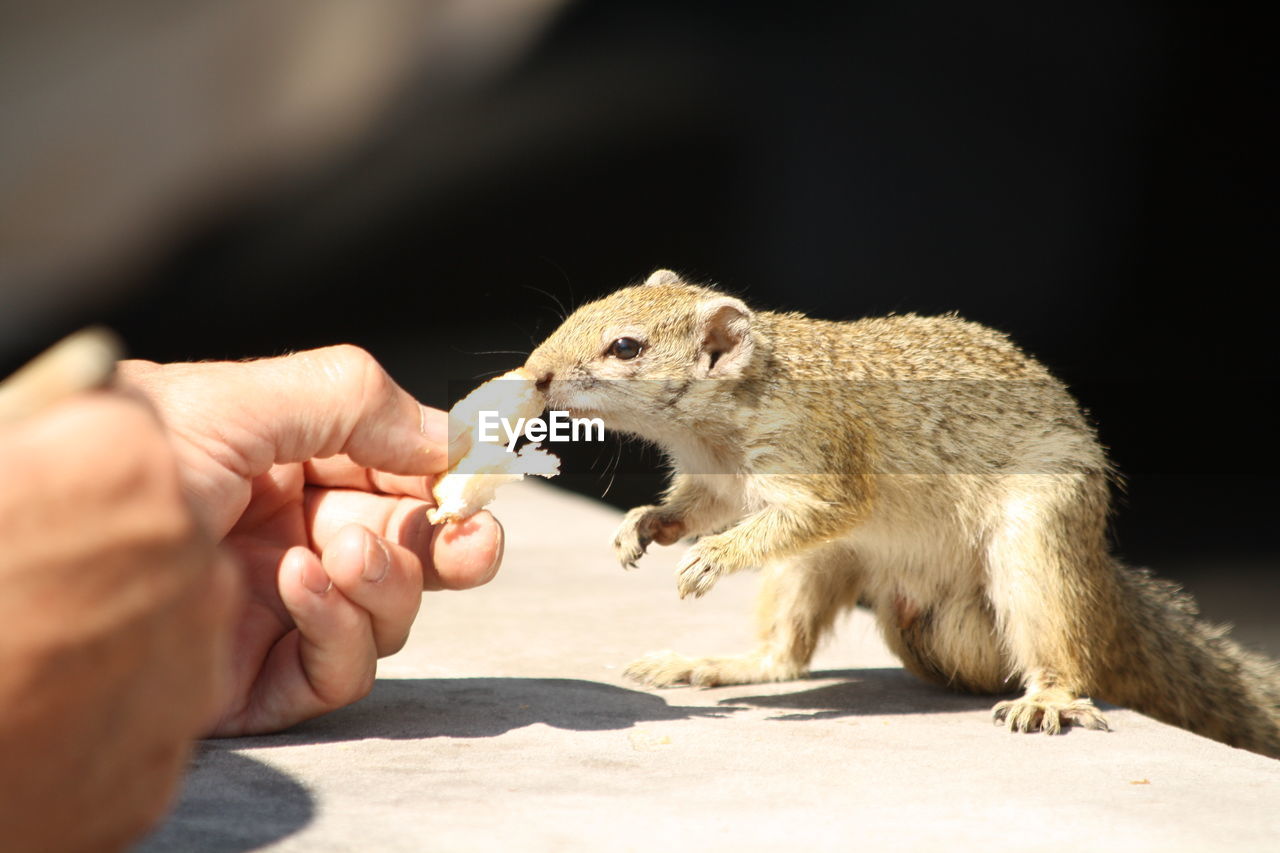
pixel 1189 673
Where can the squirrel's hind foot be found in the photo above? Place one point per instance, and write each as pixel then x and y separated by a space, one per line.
pixel 668 669
pixel 1047 711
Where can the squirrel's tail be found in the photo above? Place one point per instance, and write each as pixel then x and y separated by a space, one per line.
pixel 1189 673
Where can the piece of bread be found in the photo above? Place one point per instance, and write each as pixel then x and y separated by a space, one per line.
pixel 472 480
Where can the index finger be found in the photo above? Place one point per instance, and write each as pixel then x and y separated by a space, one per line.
pixel 317 403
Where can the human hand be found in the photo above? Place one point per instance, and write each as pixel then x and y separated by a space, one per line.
pixel 115 609
pixel 316 470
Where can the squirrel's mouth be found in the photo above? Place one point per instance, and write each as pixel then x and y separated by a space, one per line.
pixel 581 412
pixel 565 402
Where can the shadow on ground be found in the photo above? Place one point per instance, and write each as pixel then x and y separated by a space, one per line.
pixel 416 708
pixel 231 803
pixel 890 690
pixel 419 708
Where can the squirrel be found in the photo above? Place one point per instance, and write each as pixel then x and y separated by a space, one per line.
pixel 924 467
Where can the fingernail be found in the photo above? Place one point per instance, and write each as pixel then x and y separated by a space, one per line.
pixel 498 552
pixel 313 577
pixel 459 446
pixel 440 429
pixel 377 559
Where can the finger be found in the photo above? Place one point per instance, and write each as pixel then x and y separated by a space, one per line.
pixel 327 512
pixel 466 554
pixel 381 577
pixel 459 555
pixel 340 400
pixel 341 473
pixel 316 403
pixel 326 662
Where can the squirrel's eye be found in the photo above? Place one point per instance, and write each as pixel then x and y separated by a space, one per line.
pixel 624 348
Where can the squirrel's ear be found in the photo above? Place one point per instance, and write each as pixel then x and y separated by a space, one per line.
pixel 727 345
pixel 663 277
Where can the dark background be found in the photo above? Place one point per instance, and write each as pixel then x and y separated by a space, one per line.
pixel 1097 182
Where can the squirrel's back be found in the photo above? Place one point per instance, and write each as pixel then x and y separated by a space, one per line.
pixel 941 394
pixel 895 347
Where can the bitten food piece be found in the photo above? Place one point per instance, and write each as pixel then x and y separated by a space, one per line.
pixel 473 479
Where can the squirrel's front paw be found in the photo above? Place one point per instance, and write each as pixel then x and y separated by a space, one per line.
pixel 1046 711
pixel 641 526
pixel 698 570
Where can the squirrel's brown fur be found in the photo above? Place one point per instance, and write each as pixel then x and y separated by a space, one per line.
pixel 923 466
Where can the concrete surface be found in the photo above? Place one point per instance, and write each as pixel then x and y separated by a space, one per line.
pixel 505 724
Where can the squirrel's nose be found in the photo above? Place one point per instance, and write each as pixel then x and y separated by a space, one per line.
pixel 540 368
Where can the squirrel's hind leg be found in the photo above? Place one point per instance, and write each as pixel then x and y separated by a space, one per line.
pixel 1051 589
pixel 799 601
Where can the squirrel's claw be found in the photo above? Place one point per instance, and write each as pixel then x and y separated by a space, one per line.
pixel 640 527
pixel 696 574
pixel 629 548
pixel 1047 712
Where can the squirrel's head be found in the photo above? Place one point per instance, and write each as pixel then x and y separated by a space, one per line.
pixel 638 351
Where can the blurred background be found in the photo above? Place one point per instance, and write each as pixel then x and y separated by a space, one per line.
pixel 437 182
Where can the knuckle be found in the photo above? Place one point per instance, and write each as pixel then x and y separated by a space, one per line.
pixel 348 366
pixel 361 368
pixel 363 377
pixel 354 357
